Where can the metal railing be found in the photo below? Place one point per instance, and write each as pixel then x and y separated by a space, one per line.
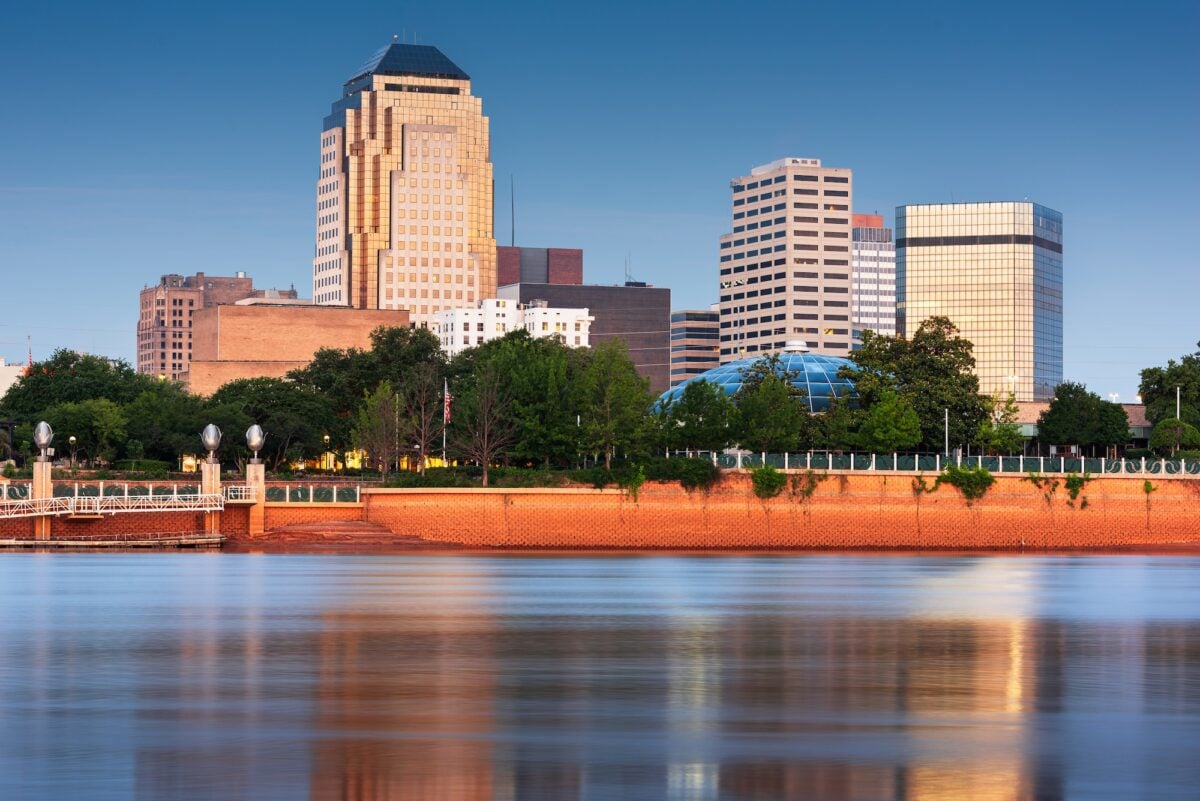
pixel 245 493
pixel 111 504
pixel 313 493
pixel 935 463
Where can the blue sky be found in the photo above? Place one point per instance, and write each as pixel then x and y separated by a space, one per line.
pixel 142 139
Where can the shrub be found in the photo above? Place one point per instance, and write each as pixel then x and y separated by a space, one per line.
pixel 972 482
pixel 691 473
pixel 631 480
pixel 142 465
pixel 768 482
pixel 10 470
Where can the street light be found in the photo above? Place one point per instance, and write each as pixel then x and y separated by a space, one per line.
pixel 325 456
pixel 71 441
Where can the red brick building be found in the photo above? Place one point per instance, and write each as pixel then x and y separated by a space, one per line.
pixel 164 329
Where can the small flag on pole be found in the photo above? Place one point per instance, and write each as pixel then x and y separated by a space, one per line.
pixel 446 402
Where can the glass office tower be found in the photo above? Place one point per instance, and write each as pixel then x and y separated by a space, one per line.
pixel 995 269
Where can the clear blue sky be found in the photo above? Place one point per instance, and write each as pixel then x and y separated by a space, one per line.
pixel 142 139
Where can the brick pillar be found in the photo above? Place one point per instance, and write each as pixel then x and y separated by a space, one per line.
pixel 42 487
pixel 210 484
pixel 256 477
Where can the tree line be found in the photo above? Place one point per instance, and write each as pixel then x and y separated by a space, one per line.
pixel 524 401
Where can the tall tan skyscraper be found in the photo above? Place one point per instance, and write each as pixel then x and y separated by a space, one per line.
pixel 785 268
pixel 404 198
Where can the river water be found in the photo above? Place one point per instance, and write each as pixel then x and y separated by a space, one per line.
pixel 229 676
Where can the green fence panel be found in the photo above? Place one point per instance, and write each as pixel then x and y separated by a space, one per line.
pixel 347 495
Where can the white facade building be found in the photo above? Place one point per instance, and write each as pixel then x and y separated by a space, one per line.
pixel 873 270
pixel 9 375
pixel 459 329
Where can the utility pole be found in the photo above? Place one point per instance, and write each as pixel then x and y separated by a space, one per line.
pixel 947 430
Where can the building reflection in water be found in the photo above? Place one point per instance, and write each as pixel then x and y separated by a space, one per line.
pixel 510 679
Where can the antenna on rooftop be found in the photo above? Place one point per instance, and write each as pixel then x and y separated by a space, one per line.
pixel 512 208
pixel 395 38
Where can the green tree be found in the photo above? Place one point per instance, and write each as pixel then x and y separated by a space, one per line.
pixel 70 377
pixel 422 405
pixel 703 417
pixel 295 418
pixel 166 420
pixel 540 376
pixel 98 426
pixel 890 425
pixel 999 432
pixel 481 422
pixel 380 428
pixel 614 401
pixel 933 372
pixel 1076 416
pixel 771 417
pixel 1171 435
pixel 1159 384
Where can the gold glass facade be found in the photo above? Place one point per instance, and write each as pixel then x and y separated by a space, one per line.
pixel 995 269
pixel 404 197
pixel 785 266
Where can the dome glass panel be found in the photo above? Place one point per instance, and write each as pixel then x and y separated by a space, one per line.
pixel 816 374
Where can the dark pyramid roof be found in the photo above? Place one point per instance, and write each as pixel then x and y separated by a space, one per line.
pixel 407 59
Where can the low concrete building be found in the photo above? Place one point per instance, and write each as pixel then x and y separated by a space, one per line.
pixel 268 341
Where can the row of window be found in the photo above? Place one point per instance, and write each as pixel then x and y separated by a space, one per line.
pixel 738 215
pixel 778 179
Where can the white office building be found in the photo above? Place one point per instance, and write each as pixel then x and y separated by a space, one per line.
pixel 459 329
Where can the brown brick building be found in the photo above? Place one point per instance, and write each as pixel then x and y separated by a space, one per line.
pixel 516 265
pixel 260 340
pixel 164 329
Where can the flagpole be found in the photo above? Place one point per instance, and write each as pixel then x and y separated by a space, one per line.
pixel 445 409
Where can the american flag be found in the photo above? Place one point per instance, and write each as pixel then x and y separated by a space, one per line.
pixel 447 398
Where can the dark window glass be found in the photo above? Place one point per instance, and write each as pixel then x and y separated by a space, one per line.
pixel 836 193
pixel 805 192
pixel 836 179
pixel 804 205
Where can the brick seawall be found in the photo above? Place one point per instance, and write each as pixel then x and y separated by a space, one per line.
pixel 849 511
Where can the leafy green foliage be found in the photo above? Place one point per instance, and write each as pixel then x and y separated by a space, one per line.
pixel 692 474
pixel 999 432
pixel 98 425
pixel 70 377
pixel 631 481
pixel 972 482
pixel 890 425
pixel 772 415
pixel 379 429
pixel 1078 417
pixel 614 402
pixel 1171 435
pixel 703 418
pixel 768 482
pixel 1158 389
pixel 1074 483
pixel 295 417
pixel 804 485
pixel 933 372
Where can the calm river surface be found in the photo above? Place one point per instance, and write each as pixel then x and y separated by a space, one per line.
pixel 227 676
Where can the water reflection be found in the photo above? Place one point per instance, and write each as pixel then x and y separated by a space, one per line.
pixel 367 679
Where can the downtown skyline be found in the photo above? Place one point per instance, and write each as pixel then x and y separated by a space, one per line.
pixel 622 142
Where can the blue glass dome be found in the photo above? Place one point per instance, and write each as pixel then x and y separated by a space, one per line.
pixel 817 375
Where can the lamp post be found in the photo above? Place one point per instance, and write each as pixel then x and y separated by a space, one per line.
pixel 210 437
pixel 325 456
pixel 71 441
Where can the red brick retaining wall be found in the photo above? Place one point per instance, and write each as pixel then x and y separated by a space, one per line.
pixel 843 512
pixel 855 511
